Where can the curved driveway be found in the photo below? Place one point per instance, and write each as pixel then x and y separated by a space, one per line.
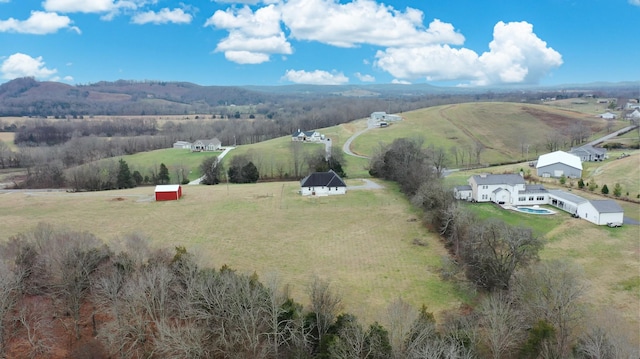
pixel 346 148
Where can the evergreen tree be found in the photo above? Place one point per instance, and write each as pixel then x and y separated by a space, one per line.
pixel 617 190
pixel 137 177
pixel 125 180
pixel 163 175
pixel 250 173
pixel 580 183
pixel 605 189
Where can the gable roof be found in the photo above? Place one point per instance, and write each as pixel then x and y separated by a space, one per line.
pixel 588 149
pixel 213 141
pixel 490 179
pixel 606 206
pixel 167 187
pixel 326 179
pixel 299 133
pixel 559 157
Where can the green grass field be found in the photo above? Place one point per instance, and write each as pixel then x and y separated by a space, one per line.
pixel 363 242
pixel 502 128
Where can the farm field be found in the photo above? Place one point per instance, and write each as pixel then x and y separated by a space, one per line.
pixel 363 242
pixel 503 129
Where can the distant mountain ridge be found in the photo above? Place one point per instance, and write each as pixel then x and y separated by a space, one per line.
pixel 28 97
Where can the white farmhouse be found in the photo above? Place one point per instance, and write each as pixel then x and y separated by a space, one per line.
pixel 322 184
pixel 213 144
pixel 509 189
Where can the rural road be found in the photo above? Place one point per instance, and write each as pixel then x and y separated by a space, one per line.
pixel 368 184
pixel 612 135
pixel 220 157
pixel 346 148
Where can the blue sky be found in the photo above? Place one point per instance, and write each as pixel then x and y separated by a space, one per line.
pixel 278 42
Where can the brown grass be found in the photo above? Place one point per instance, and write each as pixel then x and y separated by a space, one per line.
pixel 362 242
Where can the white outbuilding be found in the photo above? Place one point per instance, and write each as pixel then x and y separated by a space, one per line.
pixel 558 164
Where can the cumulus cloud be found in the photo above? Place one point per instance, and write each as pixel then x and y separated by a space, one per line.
pixel 365 77
pixel 22 65
pixel 400 82
pixel 93 6
pixel 363 22
pixel 39 23
pixel 516 55
pixel 317 77
pixel 164 16
pixel 253 36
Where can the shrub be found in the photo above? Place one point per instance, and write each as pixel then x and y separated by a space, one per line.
pixel 605 189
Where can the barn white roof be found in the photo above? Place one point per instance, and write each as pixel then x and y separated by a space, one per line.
pixel 167 187
pixel 559 157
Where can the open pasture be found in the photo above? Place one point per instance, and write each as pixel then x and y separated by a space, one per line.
pixel 503 129
pixel 362 242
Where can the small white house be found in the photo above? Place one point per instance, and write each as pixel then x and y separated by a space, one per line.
pixel 602 212
pixel 558 164
pixel 608 116
pixel 213 144
pixel 464 193
pixel 307 136
pixel 322 184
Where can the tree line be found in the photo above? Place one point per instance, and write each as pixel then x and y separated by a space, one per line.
pixel 529 308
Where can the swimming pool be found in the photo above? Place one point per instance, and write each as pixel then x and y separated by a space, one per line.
pixel 534 210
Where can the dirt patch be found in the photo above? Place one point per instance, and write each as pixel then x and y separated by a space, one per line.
pixel 118 199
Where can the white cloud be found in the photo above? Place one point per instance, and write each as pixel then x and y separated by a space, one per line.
pixel 365 77
pixel 1 1
pixel 91 6
pixel 253 36
pixel 516 55
pixel 400 82
pixel 21 65
pixel 317 77
pixel 164 16
pixel 39 23
pixel 634 2
pixel 363 22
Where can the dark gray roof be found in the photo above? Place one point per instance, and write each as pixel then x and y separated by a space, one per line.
pixel 327 179
pixel 533 188
pixel 490 179
pixel 606 206
pixel 588 149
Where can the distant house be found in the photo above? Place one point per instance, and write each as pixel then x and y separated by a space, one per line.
pixel 588 153
pixel 510 191
pixel 182 144
pixel 307 136
pixel 558 164
pixel 168 192
pixel 206 145
pixel 383 116
pixel 634 115
pixel 322 184
pixel 608 116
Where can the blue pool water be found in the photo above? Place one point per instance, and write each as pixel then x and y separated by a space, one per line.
pixel 534 210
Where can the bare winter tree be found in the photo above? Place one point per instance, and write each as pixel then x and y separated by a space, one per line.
pixel 325 305
pixel 608 336
pixel 552 291
pixel 9 295
pixel 501 327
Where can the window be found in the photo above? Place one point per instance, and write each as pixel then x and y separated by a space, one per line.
pixel 540 198
pixel 522 199
pixel 530 198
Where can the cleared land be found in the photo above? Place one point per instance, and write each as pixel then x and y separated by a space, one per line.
pixel 504 129
pixel 363 242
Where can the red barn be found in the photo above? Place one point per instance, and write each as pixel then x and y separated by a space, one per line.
pixel 168 192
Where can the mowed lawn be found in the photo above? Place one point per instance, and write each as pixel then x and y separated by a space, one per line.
pixel 362 242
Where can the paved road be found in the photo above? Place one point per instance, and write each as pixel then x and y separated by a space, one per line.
pixel 612 135
pixel 220 157
pixel 346 148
